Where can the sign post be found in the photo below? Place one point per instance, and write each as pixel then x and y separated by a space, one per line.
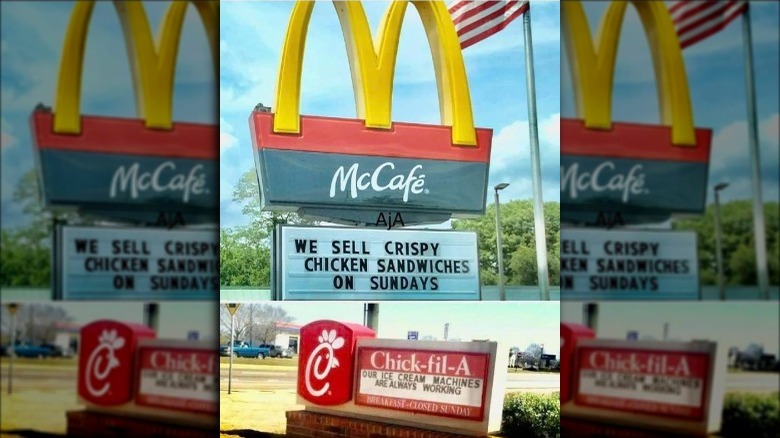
pixel 232 307
pixel 12 308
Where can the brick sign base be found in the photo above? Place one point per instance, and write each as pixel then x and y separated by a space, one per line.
pixel 93 424
pixel 587 429
pixel 305 424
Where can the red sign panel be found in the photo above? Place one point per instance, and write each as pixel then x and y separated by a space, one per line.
pixel 570 334
pixel 183 379
pixel 654 382
pixel 326 361
pixel 106 357
pixel 432 382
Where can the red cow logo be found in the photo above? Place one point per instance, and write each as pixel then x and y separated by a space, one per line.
pixel 106 361
pixel 326 361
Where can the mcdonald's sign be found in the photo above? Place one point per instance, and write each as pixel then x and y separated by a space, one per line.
pixel 129 168
pixel 643 172
pixel 350 169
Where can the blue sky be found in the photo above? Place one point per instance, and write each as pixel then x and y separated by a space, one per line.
pixel 716 79
pixel 30 45
pixel 731 324
pixel 251 37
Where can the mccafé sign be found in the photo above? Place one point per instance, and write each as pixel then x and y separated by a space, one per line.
pixel 671 386
pixel 343 168
pixel 128 168
pixel 643 172
pixel 344 370
pixel 124 369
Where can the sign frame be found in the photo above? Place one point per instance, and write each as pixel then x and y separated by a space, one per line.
pixel 609 295
pixel 496 372
pixel 59 274
pixel 277 273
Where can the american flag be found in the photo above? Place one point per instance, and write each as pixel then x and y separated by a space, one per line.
pixel 477 20
pixel 697 20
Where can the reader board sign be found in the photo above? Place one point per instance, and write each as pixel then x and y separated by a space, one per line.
pixel 454 387
pixel 338 263
pixel 177 376
pixel 136 263
pixel 447 384
pixel 628 264
pixel 646 381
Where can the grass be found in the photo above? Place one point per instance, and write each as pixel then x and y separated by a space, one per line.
pixel 48 361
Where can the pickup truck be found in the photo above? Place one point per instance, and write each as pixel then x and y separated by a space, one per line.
pixel 242 349
pixel 26 350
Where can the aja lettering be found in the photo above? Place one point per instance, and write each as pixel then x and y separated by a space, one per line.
pixel 358 182
pixel 162 179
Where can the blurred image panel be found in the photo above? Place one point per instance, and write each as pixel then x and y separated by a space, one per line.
pixel 94 366
pixel 662 368
pixel 669 151
pixel 669 203
pixel 109 267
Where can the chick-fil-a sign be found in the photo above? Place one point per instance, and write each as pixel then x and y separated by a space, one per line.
pixel 656 382
pixel 326 361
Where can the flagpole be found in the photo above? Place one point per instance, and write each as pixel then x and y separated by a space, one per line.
pixel 755 160
pixel 536 173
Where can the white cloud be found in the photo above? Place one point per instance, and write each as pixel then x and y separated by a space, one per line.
pixel 226 141
pixel 511 144
pixel 510 159
pixel 7 139
pixel 730 158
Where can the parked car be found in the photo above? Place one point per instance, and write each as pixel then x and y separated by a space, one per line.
pixel 277 351
pixel 26 350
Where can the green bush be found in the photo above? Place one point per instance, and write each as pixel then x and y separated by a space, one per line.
pixel 531 415
pixel 753 415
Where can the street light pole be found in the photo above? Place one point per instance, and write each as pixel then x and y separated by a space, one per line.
pixel 232 307
pixel 719 240
pixel 499 244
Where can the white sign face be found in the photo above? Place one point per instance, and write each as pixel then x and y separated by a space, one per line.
pixel 178 378
pixel 330 263
pixel 137 263
pixel 604 264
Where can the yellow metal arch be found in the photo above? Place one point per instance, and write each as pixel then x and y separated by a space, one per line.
pixel 153 64
pixel 593 67
pixel 372 64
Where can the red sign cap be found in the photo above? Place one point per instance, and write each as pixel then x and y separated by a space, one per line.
pixel 106 360
pixel 327 361
pixel 570 334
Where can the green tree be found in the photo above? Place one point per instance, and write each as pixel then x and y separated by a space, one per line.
pixel 739 256
pixel 245 251
pixel 26 249
pixel 519 242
